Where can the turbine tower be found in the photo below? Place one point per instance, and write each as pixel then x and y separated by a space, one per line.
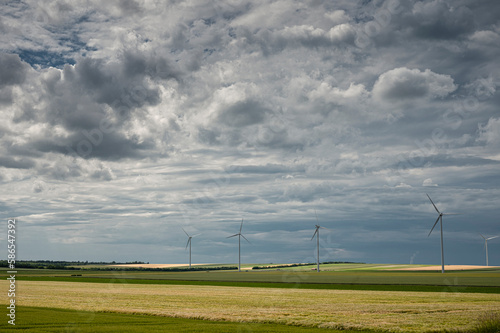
pixel 486 246
pixel 439 219
pixel 189 243
pixel 239 234
pixel 316 233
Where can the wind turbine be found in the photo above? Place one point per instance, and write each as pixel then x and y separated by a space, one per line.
pixel 316 233
pixel 239 244
pixel 486 246
pixel 189 243
pixel 439 219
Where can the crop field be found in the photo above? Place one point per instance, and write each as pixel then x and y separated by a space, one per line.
pixel 376 300
pixel 336 309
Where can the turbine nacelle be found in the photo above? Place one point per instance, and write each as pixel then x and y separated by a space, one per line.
pixel 440 216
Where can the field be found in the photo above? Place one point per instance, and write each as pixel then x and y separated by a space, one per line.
pixel 344 298
pixel 62 320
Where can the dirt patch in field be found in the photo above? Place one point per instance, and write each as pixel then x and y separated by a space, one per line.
pixel 446 268
pixel 156 265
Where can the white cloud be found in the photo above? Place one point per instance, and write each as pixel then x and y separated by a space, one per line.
pixel 338 16
pixel 486 37
pixel 428 182
pixel 402 83
pixel 355 92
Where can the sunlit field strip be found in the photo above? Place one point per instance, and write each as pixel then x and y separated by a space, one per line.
pixel 387 310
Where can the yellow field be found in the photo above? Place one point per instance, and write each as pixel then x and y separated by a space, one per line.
pixel 387 310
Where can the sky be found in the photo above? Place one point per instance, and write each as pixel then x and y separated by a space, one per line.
pixel 124 122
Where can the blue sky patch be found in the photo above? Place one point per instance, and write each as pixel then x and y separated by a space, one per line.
pixel 45 58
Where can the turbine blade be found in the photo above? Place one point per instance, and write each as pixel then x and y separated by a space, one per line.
pixel 189 241
pixel 433 226
pixel 493 237
pixel 315 232
pixel 316 215
pixel 241 225
pixel 482 235
pixel 246 239
pixel 233 235
pixel 185 232
pixel 437 210
pixel 453 214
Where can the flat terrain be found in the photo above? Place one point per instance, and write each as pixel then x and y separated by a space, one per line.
pixel 377 298
pixel 343 274
pixel 36 319
pixel 155 265
pixel 337 309
pixel 447 268
pixel 324 267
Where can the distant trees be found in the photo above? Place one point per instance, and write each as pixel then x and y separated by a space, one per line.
pixel 56 264
pixel 103 266
pixel 303 264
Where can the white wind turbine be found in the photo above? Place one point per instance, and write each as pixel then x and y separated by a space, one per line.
pixel 316 233
pixel 239 244
pixel 189 243
pixel 486 246
pixel 439 219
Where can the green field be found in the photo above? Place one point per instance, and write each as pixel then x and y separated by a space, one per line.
pixel 62 320
pixel 344 296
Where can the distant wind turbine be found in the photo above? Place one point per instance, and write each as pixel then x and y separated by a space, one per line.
pixel 189 243
pixel 486 246
pixel 316 233
pixel 239 234
pixel 439 219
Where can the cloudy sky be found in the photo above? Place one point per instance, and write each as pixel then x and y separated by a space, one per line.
pixel 125 121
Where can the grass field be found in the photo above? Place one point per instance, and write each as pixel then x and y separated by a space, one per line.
pixel 63 320
pixel 343 298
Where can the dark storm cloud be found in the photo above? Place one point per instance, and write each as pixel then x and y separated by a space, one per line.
pixel 243 114
pixel 130 7
pixel 156 67
pixel 83 89
pixel 122 92
pixel 96 144
pixel 16 163
pixel 12 70
pixel 112 146
pixel 439 20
